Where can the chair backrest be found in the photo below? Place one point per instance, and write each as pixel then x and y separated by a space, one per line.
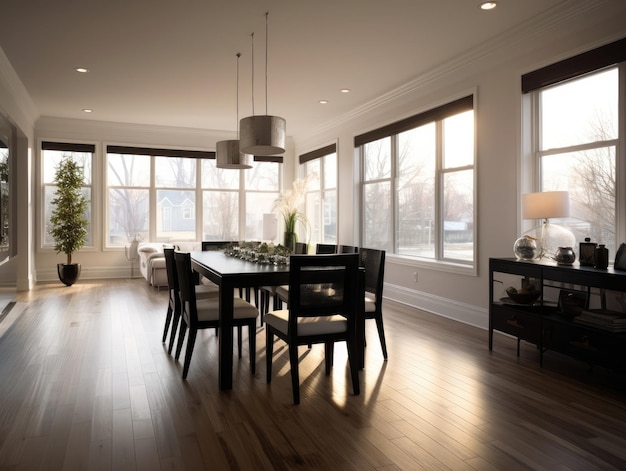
pixel 301 248
pixel 347 249
pixel 325 249
pixel 208 245
pixel 187 287
pixel 373 261
pixel 323 285
pixel 170 269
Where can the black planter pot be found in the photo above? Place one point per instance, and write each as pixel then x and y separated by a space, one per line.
pixel 68 273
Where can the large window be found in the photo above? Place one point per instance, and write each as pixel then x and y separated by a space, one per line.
pixel 52 154
pixel 320 169
pixel 417 179
pixel 172 195
pixel 576 116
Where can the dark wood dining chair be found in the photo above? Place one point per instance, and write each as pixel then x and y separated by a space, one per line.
pixel 347 249
pixel 325 248
pixel 323 306
pixel 373 261
pixel 173 307
pixel 204 314
pixel 267 292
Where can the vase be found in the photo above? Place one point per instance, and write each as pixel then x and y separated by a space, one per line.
pixel 290 239
pixel 68 273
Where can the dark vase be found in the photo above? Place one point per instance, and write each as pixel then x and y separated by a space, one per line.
pixel 68 273
pixel 290 241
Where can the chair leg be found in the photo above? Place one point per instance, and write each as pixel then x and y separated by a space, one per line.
pixel 252 345
pixel 190 343
pixel 353 361
pixel 329 350
pixel 381 334
pixel 269 352
pixel 181 338
pixel 175 320
pixel 239 335
pixel 295 377
pixel 168 318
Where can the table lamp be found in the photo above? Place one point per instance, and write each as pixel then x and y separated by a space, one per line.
pixel 545 205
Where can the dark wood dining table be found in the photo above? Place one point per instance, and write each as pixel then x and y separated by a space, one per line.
pixel 229 273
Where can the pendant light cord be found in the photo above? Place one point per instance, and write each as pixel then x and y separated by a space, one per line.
pixel 266 53
pixel 237 122
pixel 252 36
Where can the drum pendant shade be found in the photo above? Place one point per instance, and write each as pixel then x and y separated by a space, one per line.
pixel 262 135
pixel 228 155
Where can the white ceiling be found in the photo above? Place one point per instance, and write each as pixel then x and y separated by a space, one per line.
pixel 173 63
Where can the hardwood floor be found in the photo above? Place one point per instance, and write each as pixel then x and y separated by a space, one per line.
pixel 86 384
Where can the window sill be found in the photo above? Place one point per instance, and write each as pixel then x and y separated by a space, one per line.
pixel 443 266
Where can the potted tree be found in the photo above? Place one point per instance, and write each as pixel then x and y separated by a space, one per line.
pixel 68 222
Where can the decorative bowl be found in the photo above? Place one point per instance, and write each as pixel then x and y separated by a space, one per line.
pixel 523 296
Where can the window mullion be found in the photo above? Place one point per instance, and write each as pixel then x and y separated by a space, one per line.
pixel 439 189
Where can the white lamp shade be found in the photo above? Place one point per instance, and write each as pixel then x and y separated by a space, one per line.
pixel 227 155
pixel 545 204
pixel 270 226
pixel 262 135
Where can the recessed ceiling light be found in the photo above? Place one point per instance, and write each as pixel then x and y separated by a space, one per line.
pixel 345 90
pixel 488 5
pixel 323 102
pixel 82 70
pixel 87 110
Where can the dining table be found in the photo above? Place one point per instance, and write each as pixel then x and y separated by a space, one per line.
pixel 230 272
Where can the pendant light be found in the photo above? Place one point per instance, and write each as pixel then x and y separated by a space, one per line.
pixel 227 153
pixel 263 134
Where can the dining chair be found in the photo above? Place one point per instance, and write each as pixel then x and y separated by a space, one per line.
pixel 325 248
pixel 373 261
pixel 266 292
pixel 323 306
pixel 347 249
pixel 173 308
pixel 204 314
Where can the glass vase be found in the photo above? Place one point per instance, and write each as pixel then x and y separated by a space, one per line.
pixel 290 239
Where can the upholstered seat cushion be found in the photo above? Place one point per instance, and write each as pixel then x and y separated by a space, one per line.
pixel 307 325
pixel 370 304
pixel 207 291
pixel 209 309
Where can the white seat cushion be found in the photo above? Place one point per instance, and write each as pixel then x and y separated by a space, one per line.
pixel 307 325
pixel 370 305
pixel 208 309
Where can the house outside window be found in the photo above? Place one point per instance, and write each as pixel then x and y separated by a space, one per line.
pixel 417 185
pixel 578 142
pixel 320 170
pixel 51 155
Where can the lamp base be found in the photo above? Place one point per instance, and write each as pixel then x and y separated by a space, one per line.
pixel 549 238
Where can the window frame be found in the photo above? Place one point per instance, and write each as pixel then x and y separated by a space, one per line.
pixel 322 155
pixel 439 262
pixel 93 226
pixel 612 55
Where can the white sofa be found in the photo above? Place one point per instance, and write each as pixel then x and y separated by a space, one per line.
pixel 152 260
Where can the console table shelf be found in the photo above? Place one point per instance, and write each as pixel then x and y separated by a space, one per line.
pixel 542 323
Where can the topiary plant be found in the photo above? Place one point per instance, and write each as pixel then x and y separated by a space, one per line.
pixel 69 226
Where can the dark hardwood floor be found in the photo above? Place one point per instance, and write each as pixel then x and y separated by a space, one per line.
pixel 86 384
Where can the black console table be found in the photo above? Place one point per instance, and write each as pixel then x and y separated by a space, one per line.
pixel 544 325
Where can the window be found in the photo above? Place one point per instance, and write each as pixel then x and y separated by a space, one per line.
pixel 52 153
pixel 262 186
pixel 320 169
pixel 175 195
pixel 417 185
pixel 576 120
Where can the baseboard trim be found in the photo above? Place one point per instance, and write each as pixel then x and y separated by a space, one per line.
pixel 444 307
